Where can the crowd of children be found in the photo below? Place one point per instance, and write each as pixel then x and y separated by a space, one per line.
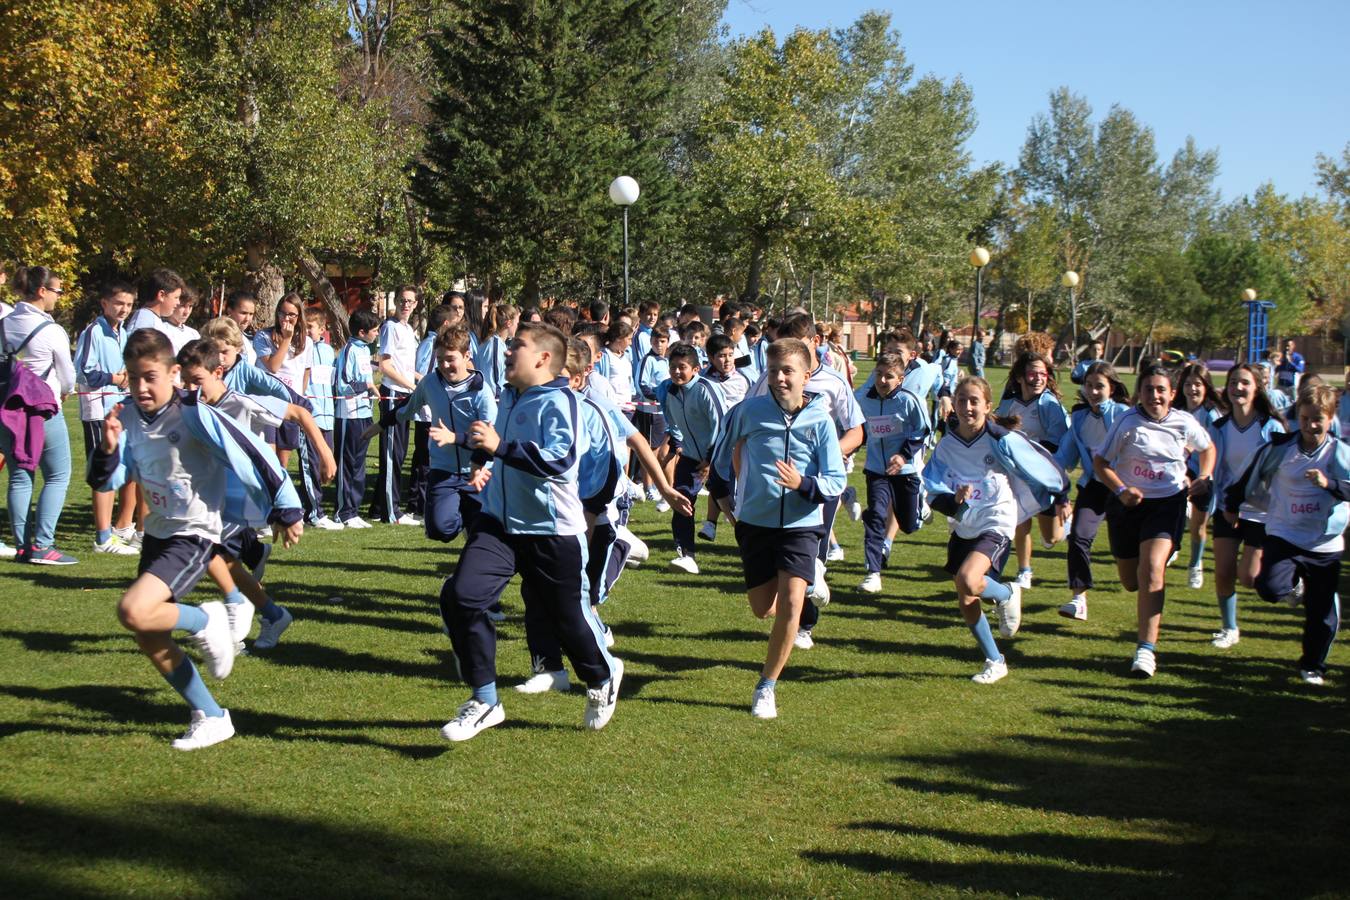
pixel 534 434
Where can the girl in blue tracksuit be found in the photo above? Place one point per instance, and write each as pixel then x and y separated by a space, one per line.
pixel 1036 402
pixel 1201 399
pixel 693 410
pixel 990 480
pixel 1250 425
pixel 896 430
pixel 651 370
pixel 781 450
pixel 1104 398
pixel 1303 478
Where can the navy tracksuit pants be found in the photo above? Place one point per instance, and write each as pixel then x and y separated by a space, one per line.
pixel 393 448
pixel 1283 564
pixel 451 505
pixel 904 493
pixel 311 482
pixel 1089 509
pixel 553 585
pixel 351 460
pixel 687 483
pixel 419 468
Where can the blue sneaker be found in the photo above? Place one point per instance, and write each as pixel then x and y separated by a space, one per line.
pixel 50 556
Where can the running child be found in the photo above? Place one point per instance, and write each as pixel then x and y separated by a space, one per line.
pixel 693 412
pixel 1201 399
pixel 1250 424
pixel 1305 479
pixel 532 522
pixel 101 382
pixel 989 480
pixel 782 453
pixel 353 392
pixel 182 453
pixel 897 429
pixel 1036 403
pixel 418 469
pixel 1105 398
pixel 1142 462
pixel 733 385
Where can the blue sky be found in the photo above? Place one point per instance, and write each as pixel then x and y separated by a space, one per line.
pixel 1265 83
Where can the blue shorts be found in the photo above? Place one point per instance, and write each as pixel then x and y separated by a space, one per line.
pixel 767 551
pixel 180 561
pixel 990 543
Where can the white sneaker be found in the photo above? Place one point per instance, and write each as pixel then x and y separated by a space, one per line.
pixel 1295 597
pixel 241 620
pixel 926 513
pixel 1225 638
pixel 708 531
pixel 214 640
pixel 128 536
pixel 1145 663
pixel 543 682
pixel 609 638
pixel 271 632
pixel 407 519
pixel 653 494
pixel 8 552
pixel 803 640
pixel 662 505
pixel 635 493
pixel 472 718
pixel 328 524
pixel 1310 677
pixel 684 564
pixel 1010 612
pixel 204 730
pixel 818 592
pixel 834 554
pixel 261 567
pixel 1195 577
pixel 600 702
pixel 871 584
pixel 113 545
pixel 1075 608
pixel 994 670
pixel 638 551
pixel 1173 558
pixel 849 501
pixel 356 522
pixel 763 704
pixel 1023 579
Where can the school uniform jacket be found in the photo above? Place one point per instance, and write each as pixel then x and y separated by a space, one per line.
pixel 694 414
pixel 1310 525
pixel 767 434
pixel 896 423
pixel 98 356
pixel 458 404
pixel 1074 447
pixel 1049 415
pixel 1038 481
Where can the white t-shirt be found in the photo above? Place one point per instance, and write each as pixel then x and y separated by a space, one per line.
pixel 992 505
pixel 1299 509
pixel 148 318
pixel 181 335
pixel 399 343
pixel 1239 448
pixel 292 371
pixel 1150 455
pixel 620 375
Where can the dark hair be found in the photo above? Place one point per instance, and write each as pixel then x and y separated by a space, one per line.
pixel 660 334
pixel 363 320
pixel 689 329
pixel 647 307
pixel 598 309
pixel 1212 394
pixel 498 315
pixel 561 318
pixel 688 309
pixel 987 392
pixel 236 297
pixel 717 343
pixel 148 343
pixel 617 331
pixel 1019 371
pixel 889 360
pixel 528 313
pixel 751 331
pixel 113 288
pixel 473 315
pixel 730 309
pixel 953 346
pixel 549 340
pixel 203 352
pixel 298 340
pixel 799 326
pixel 445 298
pixel 437 318
pixel 683 350
pixel 1155 370
pixel 404 288
pixel 160 281
pixel 455 337
pixel 1119 392
pixel 1260 400
pixel 28 280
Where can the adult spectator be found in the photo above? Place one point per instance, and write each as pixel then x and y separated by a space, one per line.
pixel 1288 369
pixel 977 354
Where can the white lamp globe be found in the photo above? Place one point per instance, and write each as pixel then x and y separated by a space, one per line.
pixel 1070 279
pixel 979 257
pixel 1249 295
pixel 623 191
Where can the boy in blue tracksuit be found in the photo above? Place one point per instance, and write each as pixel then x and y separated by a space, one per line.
pixel 897 428
pixel 353 391
pixel 425 361
pixel 652 369
pixel 532 521
pixel 694 411
pixel 1303 479
pixel 321 398
pixel 785 447
pixel 457 396
pixel 101 379
pixel 183 454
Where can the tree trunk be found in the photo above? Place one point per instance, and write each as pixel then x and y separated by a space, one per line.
pixel 323 289
pixel 264 279
pixel 916 324
pixel 1030 299
pixel 529 293
pixel 759 247
pixel 416 246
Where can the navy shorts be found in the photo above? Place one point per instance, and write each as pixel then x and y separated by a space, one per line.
pixel 1250 534
pixel 1154 518
pixel 241 542
pixel 180 561
pixel 767 551
pixel 990 543
pixel 289 436
pixel 93 436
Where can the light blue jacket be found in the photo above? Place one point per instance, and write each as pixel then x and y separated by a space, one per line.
pixel 351 378
pixel 1054 423
pixel 456 403
pixel 98 356
pixel 252 381
pixel 1253 485
pixel 767 435
pixel 491 361
pixel 1224 479
pixel 1072 451
pixel 650 373
pixel 321 389
pixel 902 415
pixel 535 469
pixel 694 416
pixel 600 471
pixel 1038 480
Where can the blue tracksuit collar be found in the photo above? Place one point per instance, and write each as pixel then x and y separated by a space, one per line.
pixel 872 392
pixel 473 382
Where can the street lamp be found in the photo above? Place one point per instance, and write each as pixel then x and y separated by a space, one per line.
pixel 1070 281
pixel 624 192
pixel 979 258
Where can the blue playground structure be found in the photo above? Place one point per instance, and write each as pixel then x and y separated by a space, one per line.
pixel 1257 311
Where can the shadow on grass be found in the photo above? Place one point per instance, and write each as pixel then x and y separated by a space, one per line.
pixel 55 851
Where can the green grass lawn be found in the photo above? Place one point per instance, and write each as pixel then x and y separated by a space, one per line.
pixel 887 773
